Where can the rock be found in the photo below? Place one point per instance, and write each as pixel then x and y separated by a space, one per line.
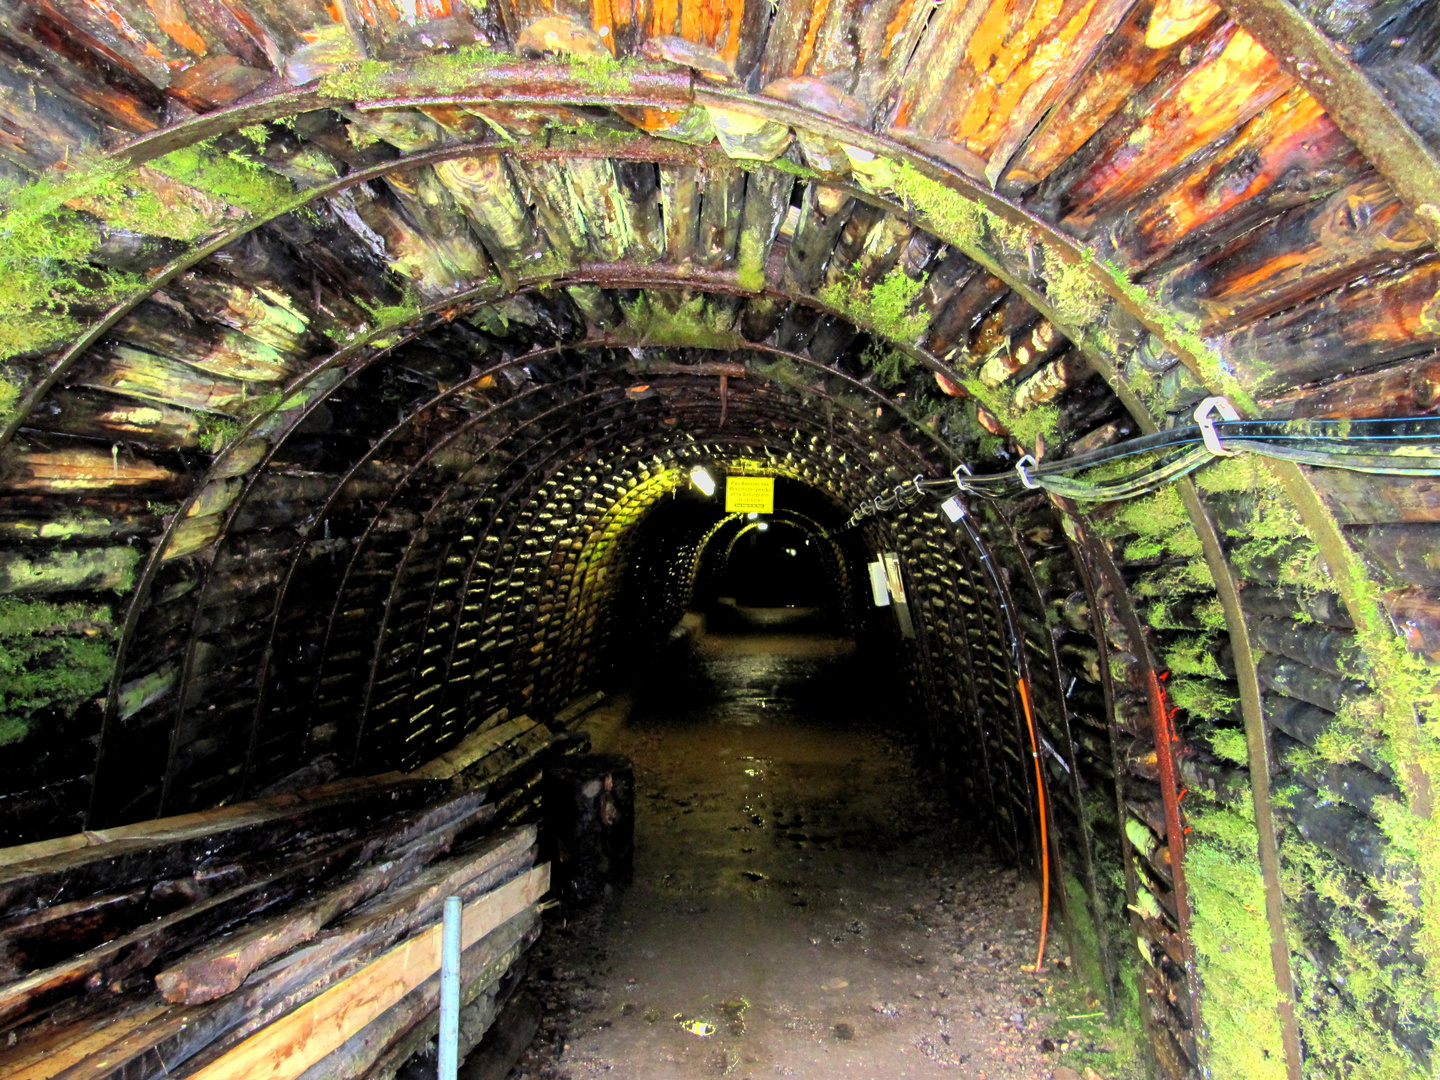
pixel 1064 1072
pixel 844 1031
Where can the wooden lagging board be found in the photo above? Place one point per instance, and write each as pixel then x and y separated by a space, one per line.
pixel 296 1041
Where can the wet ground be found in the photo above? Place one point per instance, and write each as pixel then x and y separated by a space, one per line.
pixel 802 905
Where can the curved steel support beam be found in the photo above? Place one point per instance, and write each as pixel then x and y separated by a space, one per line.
pixel 527 82
pixel 1258 748
pixel 419 464
pixel 607 274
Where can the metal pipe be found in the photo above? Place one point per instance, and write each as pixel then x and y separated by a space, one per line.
pixel 450 989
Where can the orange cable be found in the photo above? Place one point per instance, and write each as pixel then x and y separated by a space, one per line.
pixel 1044 832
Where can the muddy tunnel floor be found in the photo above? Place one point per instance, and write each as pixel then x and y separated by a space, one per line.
pixel 804 903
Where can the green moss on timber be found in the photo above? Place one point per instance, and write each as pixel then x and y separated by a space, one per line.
pixel 1104 1042
pixel 958 218
pixel 442 72
pixel 51 656
pixel 258 134
pixel 42 263
pixel 784 371
pixel 385 317
pixel 1193 656
pixel 603 73
pixel 795 168
pixel 1180 332
pixel 1341 1012
pixel 216 432
pixel 1073 291
pixel 9 398
pixel 1234 474
pixel 65 571
pixel 1229 743
pixel 1033 424
pixel 1160 517
pixel 1170 581
pixel 1408 717
pixel 692 323
pixel 233 176
pixel 1348 736
pixel 891 366
pixel 1201 696
pixel 44 243
pixel 1026 426
pixel 751 275
pixel 1232 946
pixel 585 132
pixel 885 308
pixel 1086 949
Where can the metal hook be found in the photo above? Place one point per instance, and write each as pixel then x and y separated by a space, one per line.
pixel 1207 423
pixel 1024 476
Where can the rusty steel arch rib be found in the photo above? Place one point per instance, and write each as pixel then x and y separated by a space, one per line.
pixel 437 447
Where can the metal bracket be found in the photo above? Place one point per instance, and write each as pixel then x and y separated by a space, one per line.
pixel 1207 423
pixel 1025 476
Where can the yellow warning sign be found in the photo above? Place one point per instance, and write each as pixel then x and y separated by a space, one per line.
pixel 749 494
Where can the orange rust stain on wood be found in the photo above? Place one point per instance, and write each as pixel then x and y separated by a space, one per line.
pixel 713 23
pixel 171 17
pixel 1404 390
pixel 664 17
pixel 70 470
pixel 1236 80
pixel 734 16
pixel 1307 252
pixel 607 15
pixel 651 119
pixel 1124 64
pixel 1175 20
pixel 1293 133
pixel 1009 64
pixel 812 30
pixel 896 27
pixel 379 12
pixel 110 14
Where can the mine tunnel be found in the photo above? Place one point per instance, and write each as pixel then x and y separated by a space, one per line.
pixel 387 394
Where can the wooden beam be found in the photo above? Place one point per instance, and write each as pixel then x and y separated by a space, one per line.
pixel 298 1040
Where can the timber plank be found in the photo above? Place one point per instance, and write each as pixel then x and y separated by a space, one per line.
pixel 292 1044
pixel 207 1031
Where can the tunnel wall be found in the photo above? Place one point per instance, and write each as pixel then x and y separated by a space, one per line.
pixel 278 361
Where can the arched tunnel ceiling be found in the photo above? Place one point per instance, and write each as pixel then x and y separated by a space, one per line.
pixel 345 348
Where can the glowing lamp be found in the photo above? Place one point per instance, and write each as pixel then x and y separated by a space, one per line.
pixel 702 480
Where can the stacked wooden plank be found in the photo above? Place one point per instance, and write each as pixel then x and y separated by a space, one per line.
pixel 292 936
pixel 507 757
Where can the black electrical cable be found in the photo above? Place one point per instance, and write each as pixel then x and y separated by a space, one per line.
pixel 1377 446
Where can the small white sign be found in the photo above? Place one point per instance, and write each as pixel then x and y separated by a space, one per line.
pixel 879 588
pixel 953 510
